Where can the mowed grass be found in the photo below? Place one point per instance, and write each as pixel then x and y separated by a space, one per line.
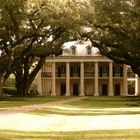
pixel 95 106
pixel 10 102
pixel 92 106
pixel 78 135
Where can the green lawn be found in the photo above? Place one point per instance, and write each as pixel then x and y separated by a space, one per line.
pixel 92 106
pixel 10 102
pixel 82 135
pixel 96 106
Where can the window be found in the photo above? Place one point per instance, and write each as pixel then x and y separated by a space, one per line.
pixel 88 50
pixel 103 71
pixel 89 70
pixel 75 71
pixel 73 50
pixel 118 71
pixel 61 71
pixel 121 71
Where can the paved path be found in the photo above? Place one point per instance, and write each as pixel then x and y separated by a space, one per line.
pixel 27 108
pixel 16 119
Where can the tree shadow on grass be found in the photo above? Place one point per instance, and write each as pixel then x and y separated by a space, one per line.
pixel 77 111
pixel 72 135
pixel 94 106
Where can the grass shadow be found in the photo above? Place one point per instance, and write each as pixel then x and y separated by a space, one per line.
pixel 75 135
pixel 94 106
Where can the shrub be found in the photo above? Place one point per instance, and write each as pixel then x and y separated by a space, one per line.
pixel 9 91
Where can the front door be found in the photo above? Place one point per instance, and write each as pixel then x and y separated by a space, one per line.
pixel 63 89
pixel 75 90
pixel 117 89
pixel 104 90
pixel 89 89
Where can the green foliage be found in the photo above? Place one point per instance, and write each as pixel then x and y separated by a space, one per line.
pixel 126 134
pixel 9 87
pixel 95 106
pixel 131 87
pixel 31 31
pixel 10 82
pixel 9 91
pixel 10 102
pixel 115 30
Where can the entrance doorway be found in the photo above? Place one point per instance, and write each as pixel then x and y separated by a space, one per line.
pixel 75 90
pixel 117 89
pixel 89 89
pixel 63 89
pixel 104 90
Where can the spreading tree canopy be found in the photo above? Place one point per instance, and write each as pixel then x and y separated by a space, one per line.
pixel 31 30
pixel 113 26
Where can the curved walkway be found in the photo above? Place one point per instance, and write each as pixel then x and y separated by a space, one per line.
pixel 27 108
pixel 16 119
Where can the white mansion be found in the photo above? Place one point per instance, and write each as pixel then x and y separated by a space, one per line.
pixel 82 71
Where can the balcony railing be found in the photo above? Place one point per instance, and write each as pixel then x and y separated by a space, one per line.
pixel 103 74
pixel 58 74
pixel 86 74
pixel 64 74
pixel 74 74
pixel 46 74
pixel 118 74
pixel 89 74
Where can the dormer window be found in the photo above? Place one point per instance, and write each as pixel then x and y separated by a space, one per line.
pixel 88 50
pixel 73 50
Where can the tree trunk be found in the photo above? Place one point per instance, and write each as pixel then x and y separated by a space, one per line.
pixel 1 83
pixel 24 78
pixel 20 83
pixel 22 86
pixel 22 90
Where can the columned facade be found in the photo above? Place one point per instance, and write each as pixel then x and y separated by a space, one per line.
pixel 89 76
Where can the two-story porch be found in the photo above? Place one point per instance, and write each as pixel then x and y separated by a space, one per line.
pixel 88 76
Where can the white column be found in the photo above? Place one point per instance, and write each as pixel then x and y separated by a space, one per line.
pixel 67 79
pixel 39 83
pixel 96 85
pixel 53 80
pixel 82 79
pixel 111 93
pixel 124 80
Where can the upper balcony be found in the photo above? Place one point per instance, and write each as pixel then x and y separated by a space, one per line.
pixel 89 70
pixel 77 75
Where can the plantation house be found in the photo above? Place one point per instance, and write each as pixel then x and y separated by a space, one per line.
pixel 82 71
